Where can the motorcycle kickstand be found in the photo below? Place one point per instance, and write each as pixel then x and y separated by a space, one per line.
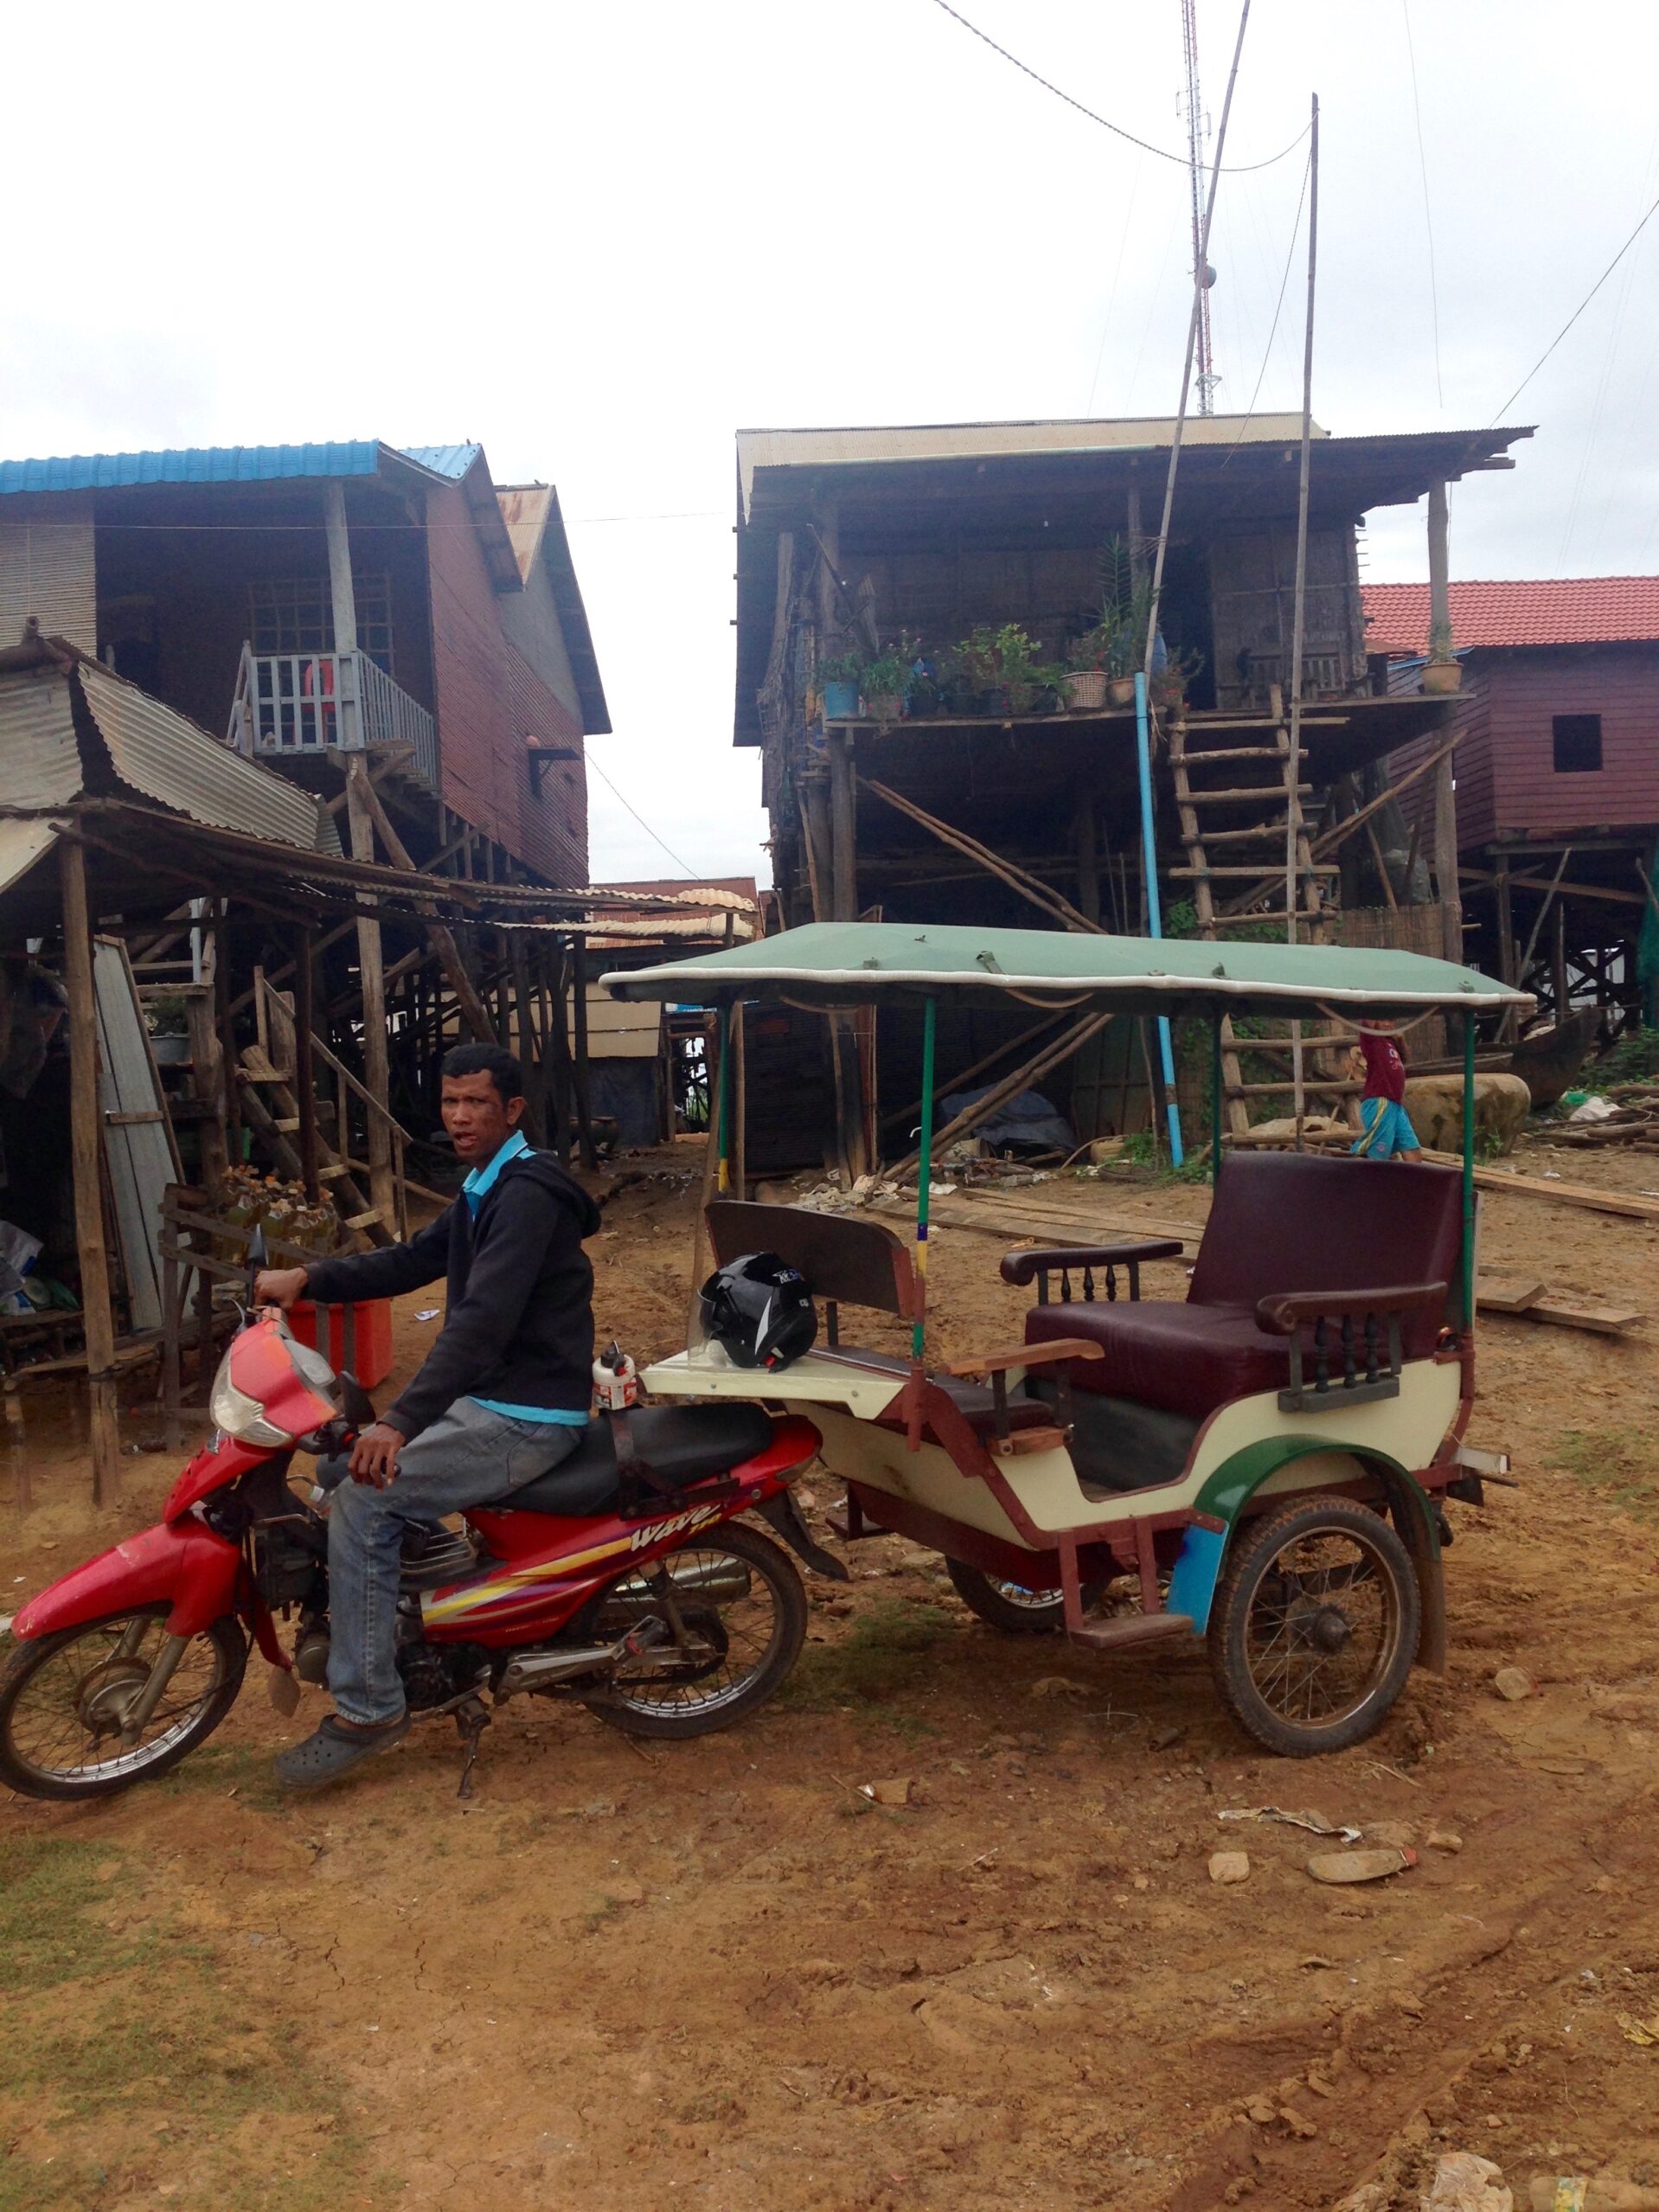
pixel 472 1718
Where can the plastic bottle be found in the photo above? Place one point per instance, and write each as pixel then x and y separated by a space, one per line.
pixel 616 1381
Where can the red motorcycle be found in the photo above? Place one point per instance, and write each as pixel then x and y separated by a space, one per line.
pixel 622 1579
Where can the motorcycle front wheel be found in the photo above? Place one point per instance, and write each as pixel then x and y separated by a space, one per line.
pixel 64 1700
pixel 732 1615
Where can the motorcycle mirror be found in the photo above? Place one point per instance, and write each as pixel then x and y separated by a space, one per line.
pixel 354 1401
pixel 257 1258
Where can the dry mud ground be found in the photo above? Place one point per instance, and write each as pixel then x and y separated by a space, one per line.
pixel 714 1975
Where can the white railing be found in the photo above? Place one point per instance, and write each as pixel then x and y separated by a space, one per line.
pixel 287 703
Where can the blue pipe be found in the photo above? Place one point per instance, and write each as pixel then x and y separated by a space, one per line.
pixel 1154 912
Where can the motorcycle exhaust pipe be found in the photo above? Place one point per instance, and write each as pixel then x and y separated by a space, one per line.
pixel 709 1578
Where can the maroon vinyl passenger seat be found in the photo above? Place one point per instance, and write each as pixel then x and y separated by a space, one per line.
pixel 1281 1224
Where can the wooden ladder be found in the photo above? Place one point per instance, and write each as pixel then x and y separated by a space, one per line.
pixel 1247 810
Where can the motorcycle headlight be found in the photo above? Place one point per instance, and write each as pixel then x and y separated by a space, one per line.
pixel 238 1415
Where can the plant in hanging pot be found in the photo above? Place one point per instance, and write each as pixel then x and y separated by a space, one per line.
pixel 839 677
pixel 1442 672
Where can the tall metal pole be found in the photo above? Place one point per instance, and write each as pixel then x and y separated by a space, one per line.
pixel 1207 379
pixel 1154 909
pixel 1192 341
pixel 1299 617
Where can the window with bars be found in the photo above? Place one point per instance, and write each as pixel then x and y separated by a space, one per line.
pixel 295 614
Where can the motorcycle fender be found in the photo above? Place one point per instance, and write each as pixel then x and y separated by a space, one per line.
pixel 185 1566
pixel 786 1520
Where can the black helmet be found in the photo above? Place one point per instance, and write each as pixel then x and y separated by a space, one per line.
pixel 760 1308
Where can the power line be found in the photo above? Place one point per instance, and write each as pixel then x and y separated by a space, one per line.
pixel 1290 255
pixel 1428 219
pixel 1239 169
pixel 1573 316
pixel 637 815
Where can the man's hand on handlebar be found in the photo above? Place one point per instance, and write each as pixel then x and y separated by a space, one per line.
pixel 374 1455
pixel 279 1285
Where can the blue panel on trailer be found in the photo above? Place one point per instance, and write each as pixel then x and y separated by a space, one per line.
pixel 192 464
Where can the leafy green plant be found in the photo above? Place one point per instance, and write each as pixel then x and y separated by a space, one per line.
pixel 1635 1057
pixel 1004 661
pixel 1120 638
pixel 887 676
pixel 841 668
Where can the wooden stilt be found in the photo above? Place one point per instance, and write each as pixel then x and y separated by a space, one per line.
pixel 579 1066
pixel 376 1064
pixel 304 1068
pixel 85 1138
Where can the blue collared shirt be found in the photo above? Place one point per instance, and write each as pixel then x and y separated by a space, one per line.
pixel 481 1180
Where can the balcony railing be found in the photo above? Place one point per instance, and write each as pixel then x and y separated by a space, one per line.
pixel 292 704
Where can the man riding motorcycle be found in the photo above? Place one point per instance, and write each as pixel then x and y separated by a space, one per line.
pixel 501 1397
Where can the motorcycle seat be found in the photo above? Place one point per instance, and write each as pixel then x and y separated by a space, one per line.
pixel 678 1444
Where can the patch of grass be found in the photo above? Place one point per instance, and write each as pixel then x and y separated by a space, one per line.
pixel 874 1661
pixel 122 2024
pixel 218 1768
pixel 1620 1465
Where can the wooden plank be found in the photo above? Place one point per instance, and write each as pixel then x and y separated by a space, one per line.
pixel 1506 1293
pixel 1601 1320
pixel 86 1148
pixel 138 1146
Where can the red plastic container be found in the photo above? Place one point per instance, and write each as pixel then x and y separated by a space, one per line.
pixel 371 1349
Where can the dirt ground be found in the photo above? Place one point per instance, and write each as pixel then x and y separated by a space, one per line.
pixel 715 1975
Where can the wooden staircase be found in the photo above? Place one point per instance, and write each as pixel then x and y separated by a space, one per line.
pixel 1239 801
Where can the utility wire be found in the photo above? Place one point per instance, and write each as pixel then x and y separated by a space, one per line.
pixel 1267 350
pixel 1572 317
pixel 1428 219
pixel 1233 168
pixel 637 815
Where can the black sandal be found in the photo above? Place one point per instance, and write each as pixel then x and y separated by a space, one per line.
pixel 335 1750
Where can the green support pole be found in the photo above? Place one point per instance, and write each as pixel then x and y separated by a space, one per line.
pixel 723 1108
pixel 1215 1098
pixel 1468 1171
pixel 924 1175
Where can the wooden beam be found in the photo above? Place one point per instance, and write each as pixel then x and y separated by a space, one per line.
pixel 580 1063
pixel 85 1140
pixel 1007 871
pixel 1040 1064
pixel 304 1068
pixel 345 617
pixel 439 935
pixel 360 804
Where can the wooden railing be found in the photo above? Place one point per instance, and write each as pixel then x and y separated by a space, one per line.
pixel 287 703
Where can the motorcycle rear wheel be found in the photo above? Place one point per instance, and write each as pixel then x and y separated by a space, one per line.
pixel 62 1699
pixel 759 1638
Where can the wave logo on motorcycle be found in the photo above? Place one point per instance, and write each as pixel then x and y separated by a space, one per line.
pixel 671 1626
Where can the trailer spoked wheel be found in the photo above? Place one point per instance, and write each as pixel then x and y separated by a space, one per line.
pixel 1010 1606
pixel 1315 1626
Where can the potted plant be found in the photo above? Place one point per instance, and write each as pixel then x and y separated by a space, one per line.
pixel 1086 678
pixel 1442 672
pixel 1125 611
pixel 1168 687
pixel 886 681
pixel 1002 665
pixel 839 677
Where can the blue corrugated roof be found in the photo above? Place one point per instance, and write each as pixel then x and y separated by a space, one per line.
pixel 225 465
pixel 190 465
pixel 443 460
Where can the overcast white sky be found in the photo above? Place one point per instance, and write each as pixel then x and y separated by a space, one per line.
pixel 601 238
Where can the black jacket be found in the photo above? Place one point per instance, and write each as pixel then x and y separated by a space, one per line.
pixel 520 1321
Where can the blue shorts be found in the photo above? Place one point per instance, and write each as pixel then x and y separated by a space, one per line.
pixel 1387 1130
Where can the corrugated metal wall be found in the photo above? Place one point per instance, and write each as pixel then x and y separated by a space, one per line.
pixel 47 569
pixel 488 698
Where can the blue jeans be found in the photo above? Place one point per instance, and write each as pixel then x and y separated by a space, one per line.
pixel 467 1457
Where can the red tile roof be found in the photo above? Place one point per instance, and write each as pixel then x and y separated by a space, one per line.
pixel 1579 611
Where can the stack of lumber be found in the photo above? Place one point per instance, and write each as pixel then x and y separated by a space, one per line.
pixel 1529 1297
pixel 1634 1121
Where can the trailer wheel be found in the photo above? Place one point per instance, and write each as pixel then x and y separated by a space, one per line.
pixel 1315 1626
pixel 1010 1606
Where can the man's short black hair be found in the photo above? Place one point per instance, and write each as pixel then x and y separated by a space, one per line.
pixel 492 1060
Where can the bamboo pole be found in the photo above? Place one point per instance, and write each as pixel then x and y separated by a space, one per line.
pixel 1040 1064
pixel 87 1146
pixel 377 1072
pixel 1299 616
pixel 1028 887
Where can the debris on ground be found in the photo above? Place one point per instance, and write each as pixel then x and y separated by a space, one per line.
pixel 896 1793
pixel 1371 1865
pixel 1229 1866
pixel 1514 1684
pixel 1463 2183
pixel 1314 1823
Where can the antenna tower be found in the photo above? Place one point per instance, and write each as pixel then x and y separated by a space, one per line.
pixel 1197 124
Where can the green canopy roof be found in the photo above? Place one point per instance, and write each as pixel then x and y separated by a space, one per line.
pixel 842 964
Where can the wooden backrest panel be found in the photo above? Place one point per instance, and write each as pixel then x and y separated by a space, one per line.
pixel 854 1262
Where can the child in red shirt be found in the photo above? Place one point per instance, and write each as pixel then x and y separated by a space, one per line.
pixel 1389 1134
